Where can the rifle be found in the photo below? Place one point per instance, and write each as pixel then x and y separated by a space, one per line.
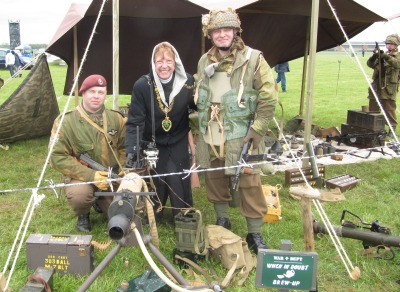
pixel 245 149
pixel 85 159
pixel 381 68
pixel 378 236
pixel 351 138
pixel 260 157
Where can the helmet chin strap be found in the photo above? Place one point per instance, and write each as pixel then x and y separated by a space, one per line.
pixel 224 48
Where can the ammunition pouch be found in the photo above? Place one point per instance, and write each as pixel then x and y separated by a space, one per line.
pixel 189 230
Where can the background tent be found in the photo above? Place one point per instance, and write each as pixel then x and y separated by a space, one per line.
pixel 277 27
pixel 30 111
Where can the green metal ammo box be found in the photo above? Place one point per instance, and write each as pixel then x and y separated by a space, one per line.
pixel 66 254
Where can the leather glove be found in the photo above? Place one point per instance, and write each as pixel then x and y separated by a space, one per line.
pixel 385 56
pixel 130 160
pixel 98 176
pixel 376 51
pixel 374 57
pixel 255 137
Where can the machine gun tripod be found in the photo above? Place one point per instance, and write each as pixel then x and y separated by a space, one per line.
pixel 125 228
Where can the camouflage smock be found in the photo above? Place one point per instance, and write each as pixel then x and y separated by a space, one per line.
pixel 258 80
pixel 390 77
pixel 78 136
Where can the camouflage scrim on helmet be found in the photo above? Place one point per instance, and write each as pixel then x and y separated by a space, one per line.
pixel 393 39
pixel 219 19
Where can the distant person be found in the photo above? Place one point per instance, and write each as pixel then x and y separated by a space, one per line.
pixel 385 79
pixel 18 64
pixel 363 52
pixel 90 129
pixel 281 69
pixel 10 62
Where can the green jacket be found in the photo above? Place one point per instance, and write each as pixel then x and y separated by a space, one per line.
pixel 260 98
pixel 390 76
pixel 78 136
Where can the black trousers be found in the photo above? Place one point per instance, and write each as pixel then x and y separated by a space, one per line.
pixel 173 159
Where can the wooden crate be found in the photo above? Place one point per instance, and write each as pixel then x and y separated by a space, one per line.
pixel 293 176
pixel 368 120
pixel 362 142
pixel 343 182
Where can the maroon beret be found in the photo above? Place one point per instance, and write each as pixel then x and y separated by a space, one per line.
pixel 92 81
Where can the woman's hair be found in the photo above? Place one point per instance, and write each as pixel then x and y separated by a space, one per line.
pixel 163 48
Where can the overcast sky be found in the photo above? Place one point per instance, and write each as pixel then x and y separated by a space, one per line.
pixel 39 19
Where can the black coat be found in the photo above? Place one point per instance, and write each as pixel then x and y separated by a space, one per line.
pixel 140 115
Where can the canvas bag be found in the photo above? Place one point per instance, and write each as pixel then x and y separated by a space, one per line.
pixel 232 251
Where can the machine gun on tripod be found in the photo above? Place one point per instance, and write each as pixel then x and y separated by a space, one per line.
pixel 378 238
pixel 126 211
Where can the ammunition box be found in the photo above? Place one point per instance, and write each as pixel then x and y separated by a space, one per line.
pixel 362 142
pixel 40 278
pixel 369 120
pixel 293 176
pixel 343 182
pixel 274 212
pixel 66 254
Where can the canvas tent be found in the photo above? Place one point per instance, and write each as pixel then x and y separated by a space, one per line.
pixel 277 27
pixel 30 111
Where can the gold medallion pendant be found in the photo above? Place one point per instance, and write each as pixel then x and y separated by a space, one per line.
pixel 166 124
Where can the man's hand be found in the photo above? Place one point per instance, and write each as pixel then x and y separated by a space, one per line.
pixel 98 176
pixel 254 136
pixel 130 160
pixel 377 51
pixel 385 56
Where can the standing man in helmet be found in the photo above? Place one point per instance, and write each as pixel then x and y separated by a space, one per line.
pixel 385 79
pixel 236 98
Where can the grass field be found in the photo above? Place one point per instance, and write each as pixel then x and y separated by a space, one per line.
pixel 339 86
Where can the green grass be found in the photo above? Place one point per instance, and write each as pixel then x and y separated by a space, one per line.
pixel 335 92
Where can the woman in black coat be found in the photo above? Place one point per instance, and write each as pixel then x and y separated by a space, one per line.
pixel 159 110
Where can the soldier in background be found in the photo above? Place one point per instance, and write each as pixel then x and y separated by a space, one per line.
pixel 386 71
pixel 99 132
pixel 281 69
pixel 235 85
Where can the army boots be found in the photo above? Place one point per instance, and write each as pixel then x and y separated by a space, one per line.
pixel 256 242
pixel 224 222
pixel 83 223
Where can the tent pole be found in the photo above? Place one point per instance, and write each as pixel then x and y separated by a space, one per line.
pixel 306 203
pixel 76 92
pixel 305 65
pixel 310 80
pixel 115 54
